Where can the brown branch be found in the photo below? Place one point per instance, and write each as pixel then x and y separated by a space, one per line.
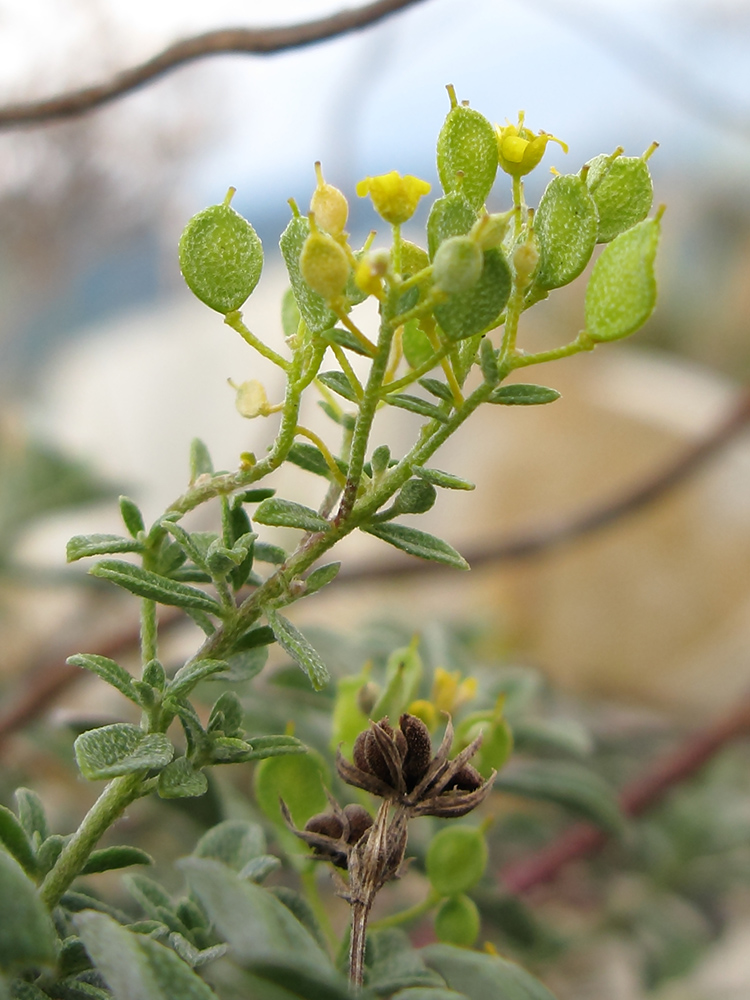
pixel 563 530
pixel 259 41
pixel 584 840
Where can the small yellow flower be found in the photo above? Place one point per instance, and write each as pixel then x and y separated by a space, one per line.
pixel 394 197
pixel 519 149
pixel 449 692
pixel 370 271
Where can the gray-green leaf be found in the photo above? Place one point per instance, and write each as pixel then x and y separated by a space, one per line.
pixel 155 588
pixel 523 394
pixel 81 546
pixel 286 514
pixel 119 749
pixel 108 670
pixel 481 976
pixel 191 674
pixel 416 405
pixel 418 543
pixel 110 858
pixel 296 645
pixel 180 780
pixel 443 479
pixel 28 937
pixel 14 840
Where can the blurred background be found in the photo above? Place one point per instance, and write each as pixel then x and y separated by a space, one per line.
pixel 108 367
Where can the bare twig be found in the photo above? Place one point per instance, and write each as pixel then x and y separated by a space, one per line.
pixel 583 840
pixel 259 41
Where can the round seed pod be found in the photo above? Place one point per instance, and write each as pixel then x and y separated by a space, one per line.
pixel 418 752
pixel 221 257
pixel 456 859
pixel 467 147
pixel 457 922
pixel 325 823
pixel 312 307
pixel 298 779
pixel 450 216
pixel 566 225
pixel 324 265
pixel 360 822
pixel 457 265
pixel 476 309
pixel 415 497
pixel 621 293
pixel 622 191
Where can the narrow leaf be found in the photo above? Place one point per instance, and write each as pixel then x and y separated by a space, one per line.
pixel 108 670
pixel 110 858
pixel 234 842
pixel 418 543
pixel 131 516
pixel 31 813
pixel 191 674
pixel 523 394
pixel 15 841
pixel 339 383
pixel 200 460
pixel 569 785
pixel 344 338
pixel 287 514
pixel 321 577
pixel 155 588
pixel 443 479
pixel 309 458
pixel 81 546
pixel 274 746
pixel 27 934
pixel 118 749
pixel 416 405
pixel 296 645
pixel 272 554
pixel 437 388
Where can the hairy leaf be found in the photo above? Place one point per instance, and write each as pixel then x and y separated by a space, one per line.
pixel 154 587
pixel 296 645
pixel 418 543
pixel 120 749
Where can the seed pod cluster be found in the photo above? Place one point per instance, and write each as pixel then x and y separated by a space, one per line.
pixel 332 834
pixel 221 257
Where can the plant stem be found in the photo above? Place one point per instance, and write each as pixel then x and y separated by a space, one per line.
pixel 149 650
pixel 360 913
pixel 581 343
pixel 406 916
pixel 115 798
pixel 234 319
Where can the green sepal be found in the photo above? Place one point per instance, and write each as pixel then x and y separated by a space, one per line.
pixel 523 394
pixel 321 577
pixel 442 479
pixel 111 751
pixel 109 671
pixel 82 546
pixel 110 858
pixel 281 513
pixel 143 583
pixel 180 780
pixel 296 645
pixel 416 405
pixel 418 543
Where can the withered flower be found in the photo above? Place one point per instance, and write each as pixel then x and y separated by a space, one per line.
pixel 398 766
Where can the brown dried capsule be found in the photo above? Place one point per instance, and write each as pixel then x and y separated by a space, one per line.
pixel 326 824
pixel 359 821
pixel 418 749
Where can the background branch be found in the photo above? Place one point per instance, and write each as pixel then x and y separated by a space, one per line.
pixel 260 41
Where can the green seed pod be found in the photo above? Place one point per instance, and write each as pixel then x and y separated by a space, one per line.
pixel 621 293
pixel 416 344
pixel 449 216
pixel 457 922
pixel 496 748
pixel 467 153
pixel 324 265
pixel 312 306
pixel 566 226
pixel 413 260
pixel 415 497
pixel 622 191
pixel 221 257
pixel 457 265
pixel 296 778
pixel 456 859
pixel 476 309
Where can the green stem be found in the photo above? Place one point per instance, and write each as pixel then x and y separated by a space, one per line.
pixel 149 649
pixel 234 319
pixel 582 343
pixel 407 916
pixel 113 801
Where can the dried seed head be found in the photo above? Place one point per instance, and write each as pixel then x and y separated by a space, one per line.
pixel 360 822
pixel 468 779
pixel 418 749
pixel 326 824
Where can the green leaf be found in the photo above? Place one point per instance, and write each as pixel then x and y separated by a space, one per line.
pixel 14 840
pixel 108 670
pixel 180 780
pixel 416 344
pixel 570 785
pixel 296 645
pixel 109 858
pixel 437 388
pixel 299 780
pixel 308 457
pixel 481 976
pixel 428 993
pixel 136 967
pixel 488 362
pixel 394 964
pixel 298 981
pixel 31 814
pixel 50 851
pixel 119 749
pixel 552 736
pixel 274 746
pixel 200 460
pixel 27 934
pixel 621 292
pixel 456 859
pixel 338 383
pixel 245 664
pixel 287 514
pixel 344 338
pixel 260 635
pixel 131 516
pixel 156 588
pixel 191 674
pixel 252 921
pixel 321 577
pixel 416 405
pixel 272 554
pixel 443 479
pixel 235 842
pixel 81 546
pixel 523 394
pixel 418 543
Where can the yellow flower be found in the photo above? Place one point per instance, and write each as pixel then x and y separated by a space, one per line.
pixel 395 197
pixel 519 149
pixel 449 692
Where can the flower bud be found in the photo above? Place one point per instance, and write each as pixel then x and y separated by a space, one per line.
pixel 457 265
pixel 323 264
pixel 525 261
pixel 328 205
pixel 221 257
